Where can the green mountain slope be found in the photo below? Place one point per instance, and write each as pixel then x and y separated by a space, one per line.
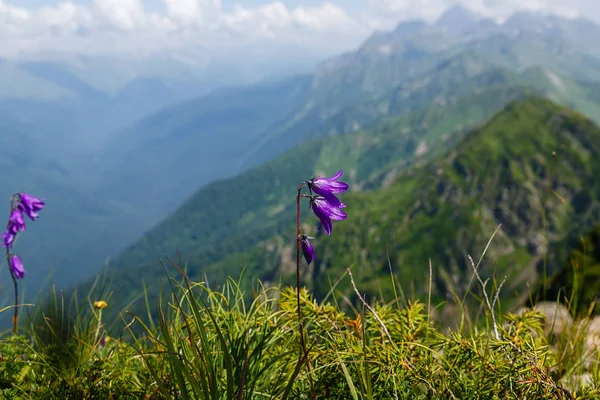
pixel 232 215
pixel 441 210
pixel 577 283
pixel 74 228
pixel 449 208
pixel 456 77
pixel 374 155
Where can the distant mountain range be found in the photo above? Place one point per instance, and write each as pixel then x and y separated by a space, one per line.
pixel 406 95
pixel 391 73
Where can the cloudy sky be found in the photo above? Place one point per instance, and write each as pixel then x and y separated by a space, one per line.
pixel 195 30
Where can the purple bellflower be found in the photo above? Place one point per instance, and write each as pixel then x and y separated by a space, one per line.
pixel 16 221
pixel 30 205
pixel 16 224
pixel 16 265
pixel 20 203
pixel 307 249
pixel 326 212
pixel 8 238
pixel 328 187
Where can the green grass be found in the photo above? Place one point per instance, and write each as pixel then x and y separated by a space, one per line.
pixel 208 344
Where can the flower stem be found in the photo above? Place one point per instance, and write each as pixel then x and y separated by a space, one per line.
pixel 98 326
pixel 12 274
pixel 298 243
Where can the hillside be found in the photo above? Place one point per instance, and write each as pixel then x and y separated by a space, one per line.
pixel 443 210
pixel 191 139
pixel 449 208
pixel 577 282
pixel 370 156
pixel 145 172
pixel 75 228
pixel 197 142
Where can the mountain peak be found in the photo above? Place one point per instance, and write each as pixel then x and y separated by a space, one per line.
pixel 457 17
pixel 409 26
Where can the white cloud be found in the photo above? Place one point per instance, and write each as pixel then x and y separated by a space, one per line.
pixel 13 12
pixel 388 10
pixel 198 30
pixel 324 17
pixel 192 11
pixel 276 21
pixel 123 14
pixel 11 16
pixel 125 27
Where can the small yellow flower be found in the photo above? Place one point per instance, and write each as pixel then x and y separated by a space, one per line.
pixel 100 304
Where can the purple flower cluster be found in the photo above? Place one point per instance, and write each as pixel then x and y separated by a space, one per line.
pixel 326 206
pixel 21 204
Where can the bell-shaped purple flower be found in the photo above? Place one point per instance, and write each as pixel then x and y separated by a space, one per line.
pixel 307 249
pixel 8 238
pixel 326 212
pixel 16 221
pixel 327 187
pixel 16 265
pixel 31 205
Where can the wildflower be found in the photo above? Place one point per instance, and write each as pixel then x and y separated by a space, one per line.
pixel 307 249
pixel 30 205
pixel 326 212
pixel 101 304
pixel 16 266
pixel 327 187
pixel 104 340
pixel 16 221
pixel 8 238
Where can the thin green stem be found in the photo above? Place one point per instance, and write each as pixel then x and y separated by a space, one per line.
pixel 15 317
pixel 301 331
pixel 98 325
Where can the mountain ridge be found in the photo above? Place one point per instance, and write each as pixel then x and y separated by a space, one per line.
pixel 211 237
pixel 466 208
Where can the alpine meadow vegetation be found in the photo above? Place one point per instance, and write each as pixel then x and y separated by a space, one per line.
pixel 201 339
pixel 215 344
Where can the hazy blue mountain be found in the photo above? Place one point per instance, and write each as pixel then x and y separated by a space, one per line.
pixel 75 228
pixel 157 162
pixel 55 73
pixel 458 19
pixel 75 112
